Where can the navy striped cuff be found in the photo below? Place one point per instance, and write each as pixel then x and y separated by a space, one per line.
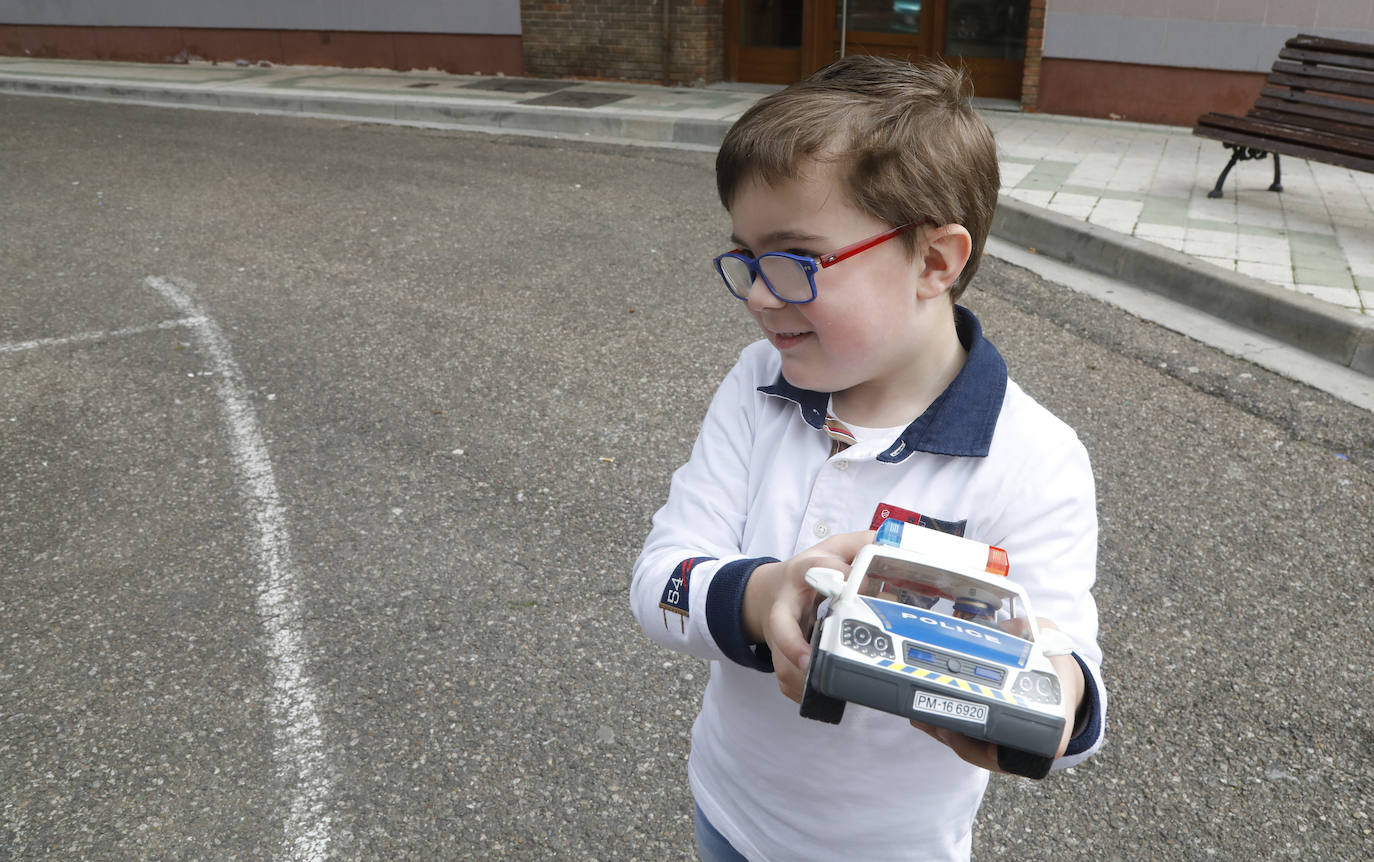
pixel 725 614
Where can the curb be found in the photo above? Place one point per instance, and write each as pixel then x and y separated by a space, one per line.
pixel 644 128
pixel 1316 327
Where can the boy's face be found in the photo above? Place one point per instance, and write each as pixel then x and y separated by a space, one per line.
pixel 866 335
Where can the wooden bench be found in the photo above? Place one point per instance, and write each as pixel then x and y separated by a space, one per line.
pixel 1317 104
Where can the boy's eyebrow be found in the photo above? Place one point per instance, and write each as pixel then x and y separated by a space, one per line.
pixel 778 237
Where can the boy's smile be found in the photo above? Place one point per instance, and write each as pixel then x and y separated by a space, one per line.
pixel 880 333
pixel 786 340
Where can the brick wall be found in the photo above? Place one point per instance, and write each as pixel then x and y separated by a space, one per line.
pixel 624 39
pixel 1030 71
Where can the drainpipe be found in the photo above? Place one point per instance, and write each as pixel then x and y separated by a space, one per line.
pixel 844 23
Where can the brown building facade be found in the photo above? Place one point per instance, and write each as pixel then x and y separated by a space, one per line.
pixel 1163 61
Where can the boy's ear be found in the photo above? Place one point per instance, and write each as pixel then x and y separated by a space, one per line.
pixel 943 254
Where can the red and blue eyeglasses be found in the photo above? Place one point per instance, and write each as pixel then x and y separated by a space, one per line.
pixel 790 277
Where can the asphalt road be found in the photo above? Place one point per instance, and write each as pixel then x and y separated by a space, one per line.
pixel 334 563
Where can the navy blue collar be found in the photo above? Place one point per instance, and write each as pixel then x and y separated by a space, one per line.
pixel 960 422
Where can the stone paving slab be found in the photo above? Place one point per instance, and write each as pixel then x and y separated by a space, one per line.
pixel 1151 182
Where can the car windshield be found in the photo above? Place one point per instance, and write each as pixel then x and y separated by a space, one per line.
pixel 948 593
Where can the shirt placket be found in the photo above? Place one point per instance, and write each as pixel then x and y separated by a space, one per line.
pixel 828 502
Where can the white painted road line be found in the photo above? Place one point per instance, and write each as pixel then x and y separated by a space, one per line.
pixel 17 346
pixel 299 747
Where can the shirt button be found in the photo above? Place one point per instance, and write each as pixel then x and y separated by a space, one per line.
pixel 841 465
pixel 822 529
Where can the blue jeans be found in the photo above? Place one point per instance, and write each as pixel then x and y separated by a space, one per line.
pixel 711 845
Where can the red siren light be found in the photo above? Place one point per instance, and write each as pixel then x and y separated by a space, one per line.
pixel 997 562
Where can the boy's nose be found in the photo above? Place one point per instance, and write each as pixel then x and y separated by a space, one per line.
pixel 760 297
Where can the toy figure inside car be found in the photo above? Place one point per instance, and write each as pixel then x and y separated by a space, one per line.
pixel 914 631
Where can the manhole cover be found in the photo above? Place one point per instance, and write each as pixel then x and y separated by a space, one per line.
pixel 518 85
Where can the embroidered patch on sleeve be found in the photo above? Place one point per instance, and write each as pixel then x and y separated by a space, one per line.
pixel 674 599
pixel 887 510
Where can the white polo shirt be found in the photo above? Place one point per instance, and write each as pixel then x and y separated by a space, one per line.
pixel 762 485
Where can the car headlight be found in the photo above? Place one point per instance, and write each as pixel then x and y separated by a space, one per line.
pixel 1038 686
pixel 866 639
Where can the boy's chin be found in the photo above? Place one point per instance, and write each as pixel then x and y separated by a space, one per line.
pixel 806 376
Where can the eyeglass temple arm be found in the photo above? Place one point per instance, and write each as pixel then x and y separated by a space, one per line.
pixel 862 245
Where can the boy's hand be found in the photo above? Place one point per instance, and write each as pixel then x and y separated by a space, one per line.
pixel 982 753
pixel 779 606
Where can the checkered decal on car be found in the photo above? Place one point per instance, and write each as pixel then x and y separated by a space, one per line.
pixel 954 682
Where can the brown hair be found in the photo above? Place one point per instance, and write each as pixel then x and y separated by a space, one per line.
pixel 904 137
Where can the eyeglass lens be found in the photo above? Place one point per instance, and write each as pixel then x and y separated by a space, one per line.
pixel 787 278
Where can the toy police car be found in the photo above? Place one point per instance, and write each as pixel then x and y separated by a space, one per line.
pixel 913 631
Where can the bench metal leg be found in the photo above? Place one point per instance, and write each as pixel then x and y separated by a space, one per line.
pixel 1216 190
pixel 1241 153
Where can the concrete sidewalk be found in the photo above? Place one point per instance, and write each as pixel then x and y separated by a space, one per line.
pixel 1121 199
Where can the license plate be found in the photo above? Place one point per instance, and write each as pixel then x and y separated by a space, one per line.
pixel 960 709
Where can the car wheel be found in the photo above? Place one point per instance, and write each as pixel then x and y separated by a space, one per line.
pixel 821 707
pixel 814 705
pixel 1023 763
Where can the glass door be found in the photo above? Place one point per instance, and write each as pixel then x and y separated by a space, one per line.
pixel 781 41
pixel 764 40
pixel 989 38
pixel 887 28
pixel 986 37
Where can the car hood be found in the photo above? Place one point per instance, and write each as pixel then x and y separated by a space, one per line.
pixel 948 633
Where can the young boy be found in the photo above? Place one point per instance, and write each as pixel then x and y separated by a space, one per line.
pixel 860 200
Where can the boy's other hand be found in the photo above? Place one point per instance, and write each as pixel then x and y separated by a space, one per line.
pixel 779 606
pixel 984 754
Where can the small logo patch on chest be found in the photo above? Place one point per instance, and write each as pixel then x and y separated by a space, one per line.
pixel 887 510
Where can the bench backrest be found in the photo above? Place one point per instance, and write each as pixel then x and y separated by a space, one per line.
pixel 1329 83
